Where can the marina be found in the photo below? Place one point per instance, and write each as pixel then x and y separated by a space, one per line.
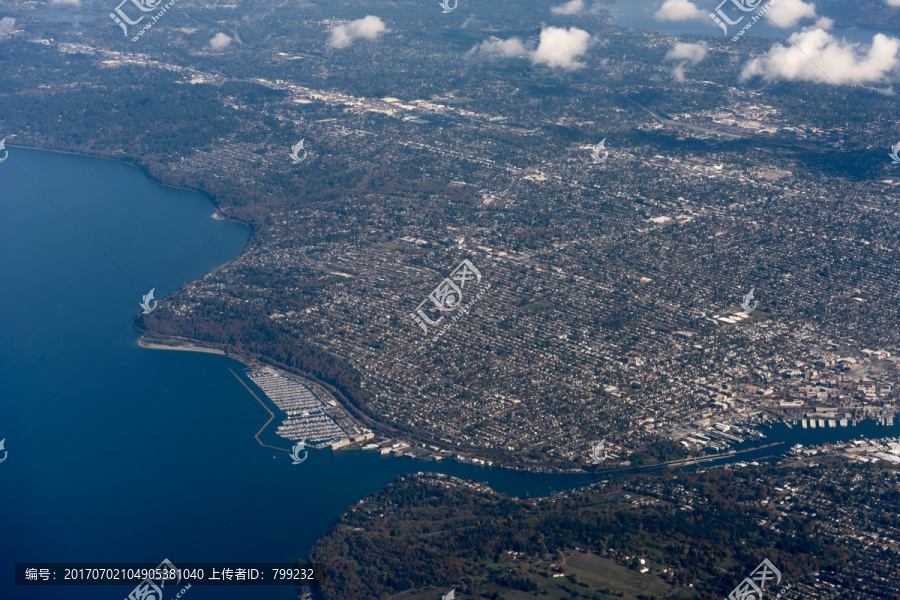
pixel 311 413
pixel 885 449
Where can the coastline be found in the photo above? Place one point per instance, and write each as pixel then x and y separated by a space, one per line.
pixel 217 215
pixel 465 459
pixel 183 347
pixel 377 425
pixel 765 452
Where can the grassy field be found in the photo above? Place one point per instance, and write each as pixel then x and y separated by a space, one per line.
pixel 603 574
pixel 587 576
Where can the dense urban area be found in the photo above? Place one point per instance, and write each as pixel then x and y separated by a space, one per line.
pixel 452 267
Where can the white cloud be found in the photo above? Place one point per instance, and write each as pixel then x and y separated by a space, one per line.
pixel 572 7
pixel 892 2
pixel 369 28
pixel 694 53
pixel 685 53
pixel 824 23
pixel 787 13
pixel 679 10
pixel 219 41
pixel 816 55
pixel 560 47
pixel 7 25
pixel 67 2
pixel 511 48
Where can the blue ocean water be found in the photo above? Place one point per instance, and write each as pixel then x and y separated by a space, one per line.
pixel 118 453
